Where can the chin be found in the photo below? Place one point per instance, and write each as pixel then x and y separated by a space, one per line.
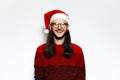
pixel 59 35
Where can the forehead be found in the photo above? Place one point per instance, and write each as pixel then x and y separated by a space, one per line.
pixel 59 20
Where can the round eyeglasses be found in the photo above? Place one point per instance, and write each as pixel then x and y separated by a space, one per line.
pixel 59 24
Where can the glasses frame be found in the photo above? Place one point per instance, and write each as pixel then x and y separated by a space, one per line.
pixel 56 24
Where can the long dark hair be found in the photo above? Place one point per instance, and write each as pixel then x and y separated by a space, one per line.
pixel 50 51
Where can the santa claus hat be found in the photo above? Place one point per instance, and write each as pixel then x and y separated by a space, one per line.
pixel 52 15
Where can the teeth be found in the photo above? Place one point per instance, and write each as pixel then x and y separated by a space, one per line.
pixel 59 31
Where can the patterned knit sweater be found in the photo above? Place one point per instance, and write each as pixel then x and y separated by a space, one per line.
pixel 59 67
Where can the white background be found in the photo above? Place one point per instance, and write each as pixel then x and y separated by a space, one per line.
pixel 94 25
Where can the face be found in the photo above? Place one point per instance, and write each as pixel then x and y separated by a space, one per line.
pixel 59 27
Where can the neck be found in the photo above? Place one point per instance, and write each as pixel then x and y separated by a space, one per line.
pixel 59 41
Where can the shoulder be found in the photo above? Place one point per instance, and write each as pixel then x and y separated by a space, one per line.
pixel 78 53
pixel 75 45
pixel 77 49
pixel 41 47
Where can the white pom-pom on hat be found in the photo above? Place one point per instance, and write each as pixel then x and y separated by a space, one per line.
pixel 46 31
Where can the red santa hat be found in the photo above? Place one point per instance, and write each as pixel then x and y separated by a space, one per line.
pixel 52 15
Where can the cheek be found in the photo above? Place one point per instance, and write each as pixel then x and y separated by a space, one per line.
pixel 51 28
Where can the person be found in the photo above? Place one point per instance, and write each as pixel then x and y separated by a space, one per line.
pixel 58 58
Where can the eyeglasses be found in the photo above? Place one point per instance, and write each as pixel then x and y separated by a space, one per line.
pixel 57 24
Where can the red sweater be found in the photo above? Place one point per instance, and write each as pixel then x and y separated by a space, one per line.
pixel 59 67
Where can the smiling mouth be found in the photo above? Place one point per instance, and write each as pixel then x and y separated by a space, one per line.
pixel 59 31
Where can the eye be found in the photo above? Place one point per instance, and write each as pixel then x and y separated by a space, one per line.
pixel 65 24
pixel 53 24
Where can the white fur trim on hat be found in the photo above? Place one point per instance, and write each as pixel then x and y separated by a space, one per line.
pixel 59 15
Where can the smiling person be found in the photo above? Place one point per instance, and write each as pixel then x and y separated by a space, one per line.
pixel 58 58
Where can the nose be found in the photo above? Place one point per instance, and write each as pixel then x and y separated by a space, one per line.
pixel 59 26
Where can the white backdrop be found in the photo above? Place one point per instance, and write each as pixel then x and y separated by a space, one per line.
pixel 94 25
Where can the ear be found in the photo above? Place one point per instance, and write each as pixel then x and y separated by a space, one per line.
pixel 50 28
pixel 67 27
